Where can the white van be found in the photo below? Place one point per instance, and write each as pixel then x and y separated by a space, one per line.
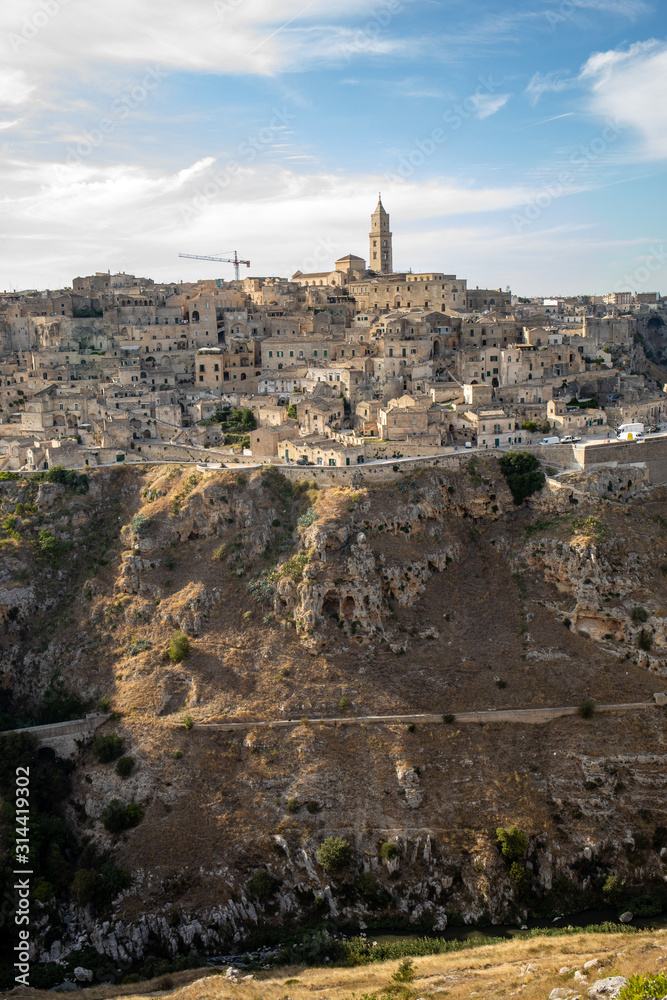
pixel 630 432
pixel 550 440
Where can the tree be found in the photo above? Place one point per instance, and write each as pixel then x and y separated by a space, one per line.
pixel 107 748
pixel 117 817
pixel 179 647
pixel 334 854
pixel 262 885
pixel 513 842
pixel 291 411
pixel 125 767
pixel 522 473
pixel 586 708
pixel 389 850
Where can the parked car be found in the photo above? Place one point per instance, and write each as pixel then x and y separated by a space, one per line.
pixel 569 439
pixel 550 440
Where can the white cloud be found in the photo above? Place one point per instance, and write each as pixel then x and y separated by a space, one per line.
pixel 488 104
pixel 15 88
pixel 216 36
pixel 553 82
pixel 5 125
pixel 630 86
pixel 87 217
pixel 631 9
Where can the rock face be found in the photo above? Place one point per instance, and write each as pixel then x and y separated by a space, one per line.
pixel 431 595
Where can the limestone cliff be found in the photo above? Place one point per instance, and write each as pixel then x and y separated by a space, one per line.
pixel 428 593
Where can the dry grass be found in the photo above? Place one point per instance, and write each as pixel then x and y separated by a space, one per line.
pixel 487 972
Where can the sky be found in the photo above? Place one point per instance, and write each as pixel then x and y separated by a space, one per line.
pixel 520 145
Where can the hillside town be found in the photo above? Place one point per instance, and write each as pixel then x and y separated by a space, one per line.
pixel 336 368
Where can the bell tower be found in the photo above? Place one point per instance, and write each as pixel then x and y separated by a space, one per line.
pixel 379 256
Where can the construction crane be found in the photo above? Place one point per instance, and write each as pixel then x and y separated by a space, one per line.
pixel 235 260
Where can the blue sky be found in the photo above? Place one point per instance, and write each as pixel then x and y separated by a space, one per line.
pixel 515 144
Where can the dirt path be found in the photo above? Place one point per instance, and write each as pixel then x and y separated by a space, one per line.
pixel 533 716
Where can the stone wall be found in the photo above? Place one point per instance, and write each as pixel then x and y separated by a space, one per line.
pixel 64 737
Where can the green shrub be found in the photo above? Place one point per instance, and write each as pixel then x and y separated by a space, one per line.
pixel 292 805
pixel 50 549
pixel 522 473
pixel 83 886
pixel 334 854
pixel 305 520
pixel 117 817
pixel 645 641
pixel 125 767
pixel 220 553
pixel 179 647
pixel 448 718
pixel 586 708
pixel 139 524
pixel 388 850
pixel 639 615
pixel 99 887
pixel 410 727
pixel 107 748
pixel 520 876
pixel 513 842
pixel 60 705
pixel 74 482
pixel 294 567
pixel 188 722
pixel 369 887
pixel 612 889
pixel 262 885
pixel 343 705
pixel 405 972
pixel 43 891
pixel 645 987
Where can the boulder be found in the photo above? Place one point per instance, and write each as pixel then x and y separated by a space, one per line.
pixel 626 917
pixel 83 975
pixel 607 989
